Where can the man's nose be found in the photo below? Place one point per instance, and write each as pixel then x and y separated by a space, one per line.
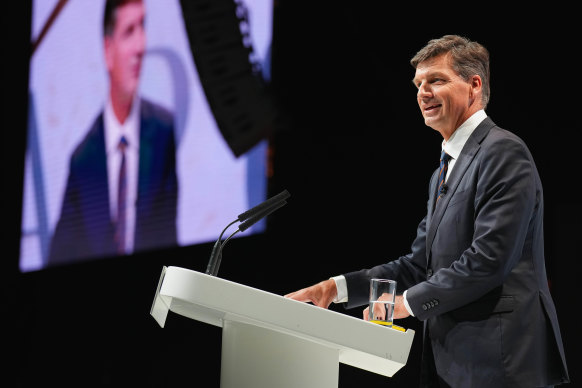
pixel 424 90
pixel 139 41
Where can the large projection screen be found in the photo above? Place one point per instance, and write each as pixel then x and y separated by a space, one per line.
pixel 68 88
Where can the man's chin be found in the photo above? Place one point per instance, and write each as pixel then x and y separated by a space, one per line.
pixel 430 122
pixel 434 124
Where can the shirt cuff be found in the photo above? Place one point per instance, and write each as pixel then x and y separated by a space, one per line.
pixel 342 289
pixel 406 303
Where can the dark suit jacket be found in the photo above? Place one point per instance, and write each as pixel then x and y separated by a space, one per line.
pixel 85 230
pixel 476 274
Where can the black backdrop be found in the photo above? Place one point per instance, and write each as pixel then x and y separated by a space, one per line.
pixel 341 80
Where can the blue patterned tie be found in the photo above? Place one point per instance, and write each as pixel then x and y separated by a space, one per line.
pixel 121 200
pixel 444 166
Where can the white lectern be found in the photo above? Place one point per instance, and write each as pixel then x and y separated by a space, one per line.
pixel 271 341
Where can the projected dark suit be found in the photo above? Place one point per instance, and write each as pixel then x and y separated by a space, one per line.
pixel 476 273
pixel 85 229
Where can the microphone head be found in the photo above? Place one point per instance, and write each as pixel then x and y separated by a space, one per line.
pixel 444 189
pixel 260 215
pixel 282 196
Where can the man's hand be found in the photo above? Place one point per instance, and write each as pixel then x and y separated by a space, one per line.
pixel 400 311
pixel 320 294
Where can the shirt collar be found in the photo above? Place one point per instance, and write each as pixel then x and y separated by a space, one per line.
pixel 457 141
pixel 114 129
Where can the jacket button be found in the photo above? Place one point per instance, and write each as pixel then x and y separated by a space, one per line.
pixel 429 273
pixel 424 306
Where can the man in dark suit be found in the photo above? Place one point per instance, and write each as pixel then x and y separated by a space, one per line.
pixel 476 272
pixel 121 194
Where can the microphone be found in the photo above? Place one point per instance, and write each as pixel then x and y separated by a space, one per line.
pixel 258 216
pixel 444 189
pixel 282 196
pixel 247 219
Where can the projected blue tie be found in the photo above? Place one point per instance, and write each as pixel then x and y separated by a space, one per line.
pixel 121 200
pixel 444 166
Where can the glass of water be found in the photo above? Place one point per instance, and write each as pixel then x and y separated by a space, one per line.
pixel 382 295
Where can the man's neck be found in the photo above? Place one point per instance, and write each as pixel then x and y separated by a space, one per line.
pixel 121 106
pixel 448 132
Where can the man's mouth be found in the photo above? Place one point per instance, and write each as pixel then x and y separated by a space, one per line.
pixel 432 107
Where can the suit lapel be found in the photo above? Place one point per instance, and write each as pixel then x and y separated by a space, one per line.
pixel 432 195
pixel 146 160
pixel 465 159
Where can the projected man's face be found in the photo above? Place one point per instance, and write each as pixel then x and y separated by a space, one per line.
pixel 124 50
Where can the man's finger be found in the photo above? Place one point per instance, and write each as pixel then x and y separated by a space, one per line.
pixel 301 295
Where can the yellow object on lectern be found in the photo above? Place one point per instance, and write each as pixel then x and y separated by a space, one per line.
pixel 387 324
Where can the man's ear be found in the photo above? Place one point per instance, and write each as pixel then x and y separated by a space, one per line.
pixel 476 87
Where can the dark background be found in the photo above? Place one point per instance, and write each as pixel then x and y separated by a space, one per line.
pixel 341 81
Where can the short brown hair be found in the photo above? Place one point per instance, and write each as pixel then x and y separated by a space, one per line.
pixel 468 58
pixel 110 14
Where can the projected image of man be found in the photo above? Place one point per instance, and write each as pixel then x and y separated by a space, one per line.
pixel 121 193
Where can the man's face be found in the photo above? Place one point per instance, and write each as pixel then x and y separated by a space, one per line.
pixel 444 98
pixel 125 47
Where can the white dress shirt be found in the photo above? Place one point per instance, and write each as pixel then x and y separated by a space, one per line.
pixel 453 147
pixel 114 130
